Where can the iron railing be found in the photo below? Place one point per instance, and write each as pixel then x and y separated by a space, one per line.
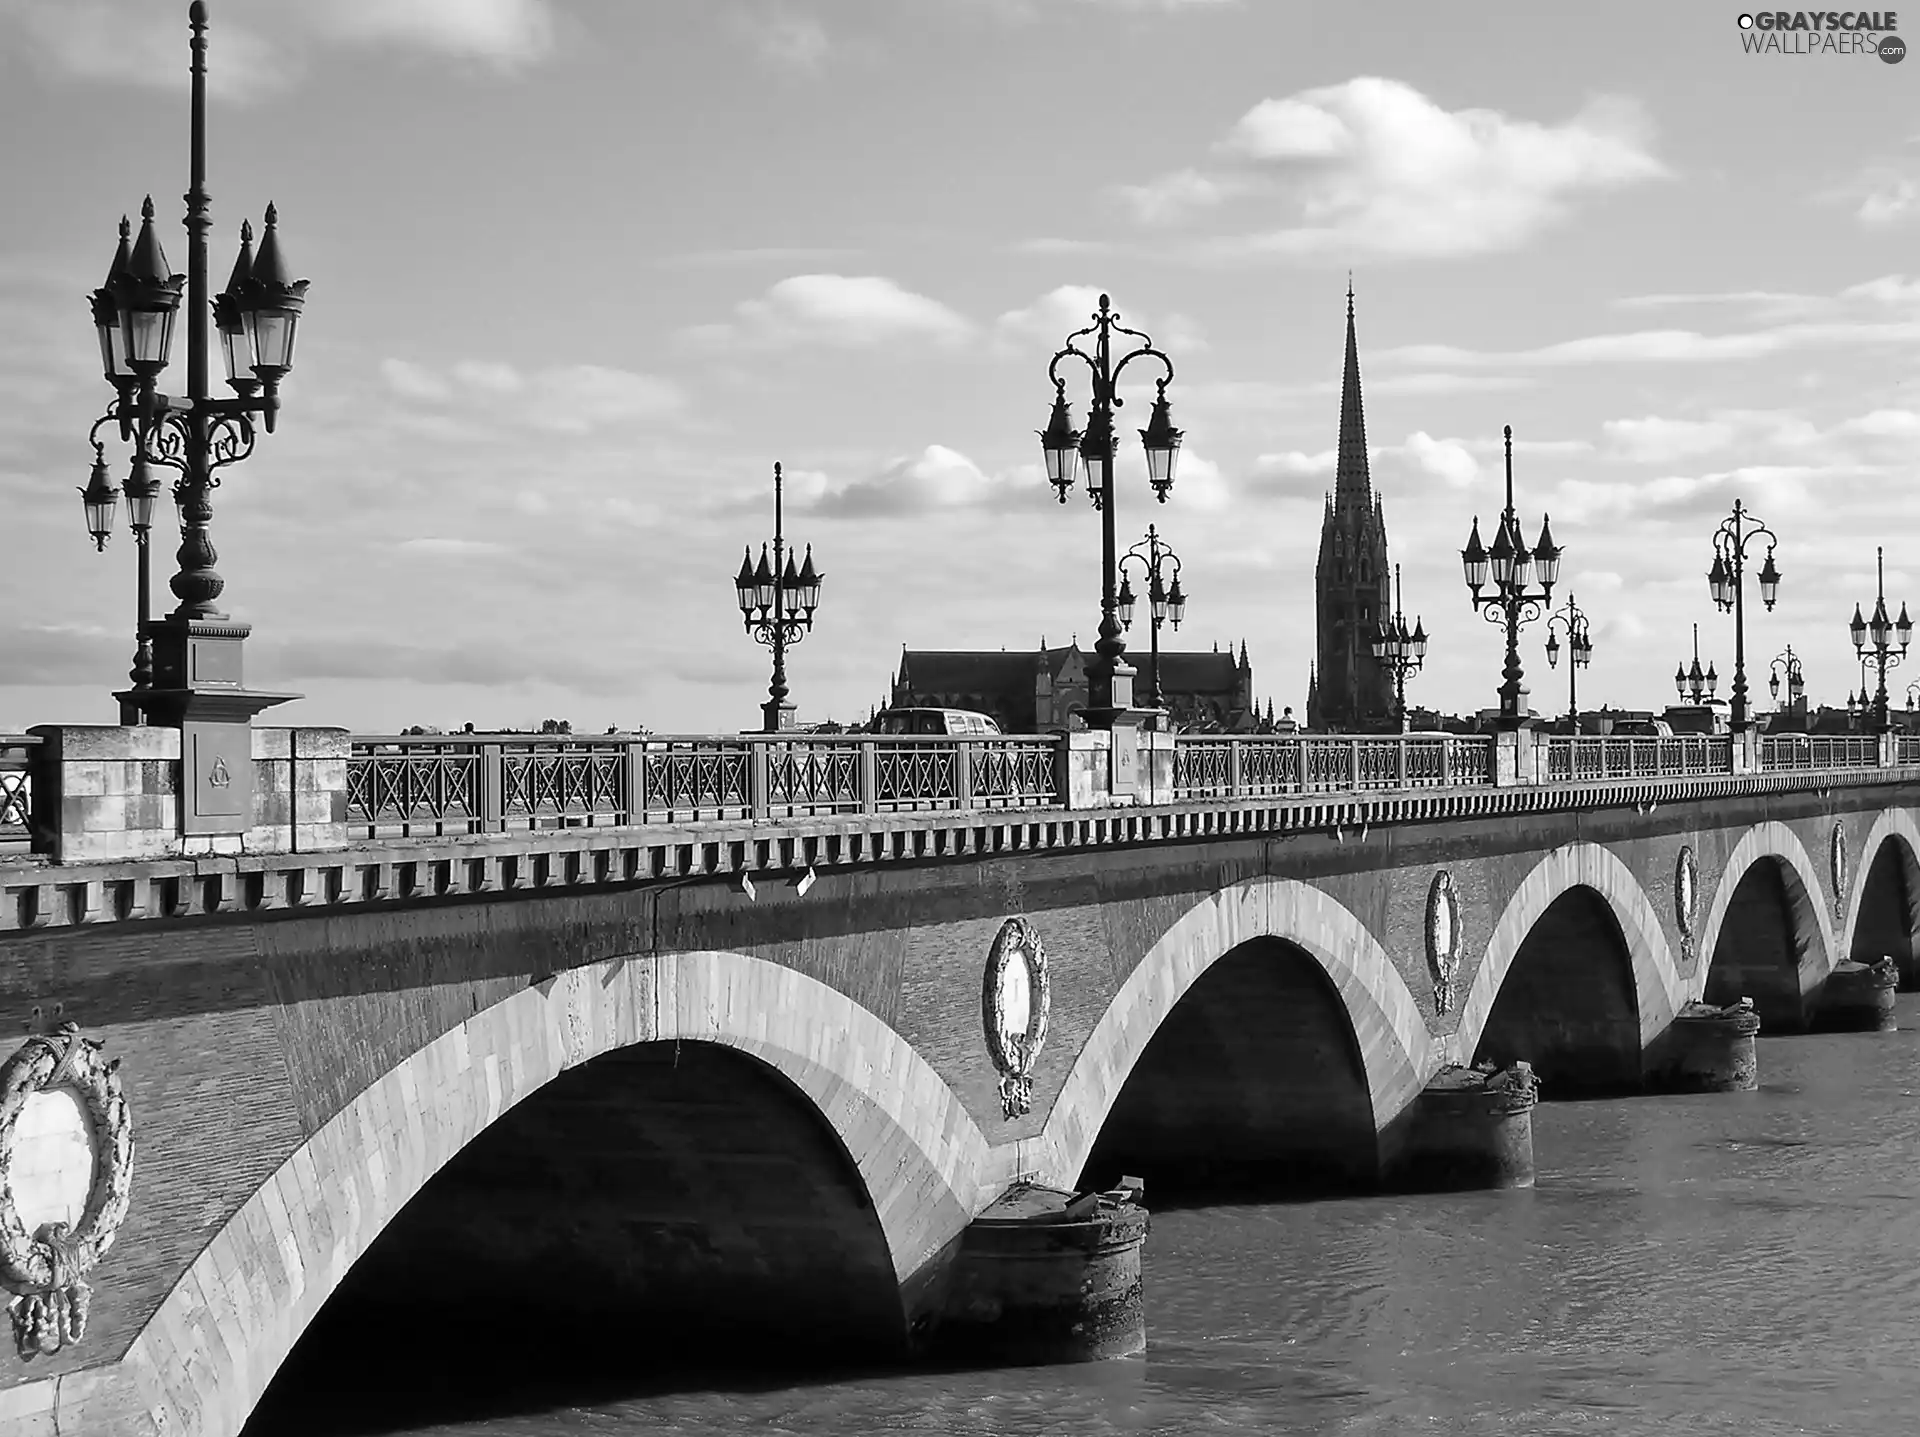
pixel 1813 751
pixel 1217 766
pixel 1572 759
pixel 16 791
pixel 406 786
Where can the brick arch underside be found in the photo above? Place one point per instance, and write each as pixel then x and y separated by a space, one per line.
pixel 1254 1078
pixel 753 1157
pixel 1567 1004
pixel 1886 918
pixel 1265 1032
pixel 1769 946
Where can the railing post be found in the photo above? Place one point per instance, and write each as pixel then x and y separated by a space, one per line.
pixel 1234 775
pixel 1400 762
pixel 1889 752
pixel 492 784
pixel 1446 762
pixel 1353 765
pixel 962 773
pixel 869 777
pixel 635 774
pixel 757 786
pixel 1302 765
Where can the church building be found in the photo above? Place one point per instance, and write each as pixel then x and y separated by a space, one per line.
pixel 1349 690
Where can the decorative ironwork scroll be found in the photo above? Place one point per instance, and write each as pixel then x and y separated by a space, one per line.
pixel 1443 939
pixel 1015 999
pixel 1837 862
pixel 1686 900
pixel 45 1270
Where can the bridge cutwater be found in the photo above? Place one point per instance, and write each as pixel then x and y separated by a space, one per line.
pixel 900 1033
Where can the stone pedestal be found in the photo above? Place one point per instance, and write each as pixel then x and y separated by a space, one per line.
pixel 1708 1049
pixel 1858 998
pixel 1471 1129
pixel 1043 1276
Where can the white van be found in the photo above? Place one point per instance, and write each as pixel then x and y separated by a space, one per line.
pixel 960 722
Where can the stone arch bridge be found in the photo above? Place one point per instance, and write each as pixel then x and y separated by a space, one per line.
pixel 727 1076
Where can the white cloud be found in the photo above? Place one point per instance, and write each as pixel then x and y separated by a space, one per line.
pixel 1890 202
pixel 1445 459
pixel 1071 307
pixel 857 311
pixel 571 399
pixel 1199 484
pixel 413 381
pixel 130 41
pixel 1374 166
pixel 1294 464
pixel 451 548
pixel 493 376
pixel 784 38
pixel 1673 346
pixel 938 478
pixel 1654 440
pixel 1889 289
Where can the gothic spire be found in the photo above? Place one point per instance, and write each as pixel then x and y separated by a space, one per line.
pixel 1352 483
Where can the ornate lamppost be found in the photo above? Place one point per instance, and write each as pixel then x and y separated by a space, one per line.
pixel 1727 580
pixel 777 602
pixel 1693 685
pixel 1573 618
pixel 1513 602
pixel 1787 663
pixel 1402 650
pixel 1883 633
pixel 1166 602
pixel 1109 676
pixel 187 666
pixel 100 498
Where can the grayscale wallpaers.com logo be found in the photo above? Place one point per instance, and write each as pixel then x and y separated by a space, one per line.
pixel 1824 32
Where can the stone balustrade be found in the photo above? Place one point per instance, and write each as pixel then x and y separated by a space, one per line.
pixel 98 794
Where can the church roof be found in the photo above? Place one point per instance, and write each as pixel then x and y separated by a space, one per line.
pixel 969 671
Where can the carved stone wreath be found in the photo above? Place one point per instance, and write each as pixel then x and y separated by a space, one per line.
pixel 1015 999
pixel 45 1269
pixel 1443 939
pixel 1837 861
pixel 1686 899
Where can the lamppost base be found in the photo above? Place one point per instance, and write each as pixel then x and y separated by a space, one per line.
pixel 198 689
pixel 776 718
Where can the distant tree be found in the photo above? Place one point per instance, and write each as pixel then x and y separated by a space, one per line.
pixel 555 726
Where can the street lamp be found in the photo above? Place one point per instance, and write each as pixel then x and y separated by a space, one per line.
pixel 195 651
pixel 1694 686
pixel 1402 650
pixel 1873 641
pixel 777 603
pixel 1109 677
pixel 1166 601
pixel 1513 600
pixel 1571 617
pixel 1789 664
pixel 1727 580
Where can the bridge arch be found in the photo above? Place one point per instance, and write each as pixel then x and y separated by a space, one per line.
pixel 1768 933
pixel 1574 890
pixel 201 1363
pixel 1883 910
pixel 1394 1050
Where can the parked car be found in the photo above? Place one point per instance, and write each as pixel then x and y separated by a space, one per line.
pixel 934 721
pixel 1642 728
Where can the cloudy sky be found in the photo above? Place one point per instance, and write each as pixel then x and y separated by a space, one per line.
pixel 584 269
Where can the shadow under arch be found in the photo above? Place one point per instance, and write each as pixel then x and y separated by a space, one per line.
pixel 1254 1083
pixel 1578 978
pixel 1271 926
pixel 199 1366
pixel 1767 934
pixel 1883 911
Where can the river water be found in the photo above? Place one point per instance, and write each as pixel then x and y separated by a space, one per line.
pixel 1740 1263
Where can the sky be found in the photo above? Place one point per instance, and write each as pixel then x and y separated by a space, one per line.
pixel 583 270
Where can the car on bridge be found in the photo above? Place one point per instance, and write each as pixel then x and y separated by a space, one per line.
pixel 960 722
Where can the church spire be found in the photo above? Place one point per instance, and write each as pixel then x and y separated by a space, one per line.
pixel 1352 482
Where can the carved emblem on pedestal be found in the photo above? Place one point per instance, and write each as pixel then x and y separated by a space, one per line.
pixel 1014 1002
pixel 1686 899
pixel 219 776
pixel 45 1269
pixel 1443 939
pixel 1837 857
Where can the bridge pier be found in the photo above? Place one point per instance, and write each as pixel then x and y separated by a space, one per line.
pixel 1708 1049
pixel 1044 1277
pixel 1858 998
pixel 1470 1128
